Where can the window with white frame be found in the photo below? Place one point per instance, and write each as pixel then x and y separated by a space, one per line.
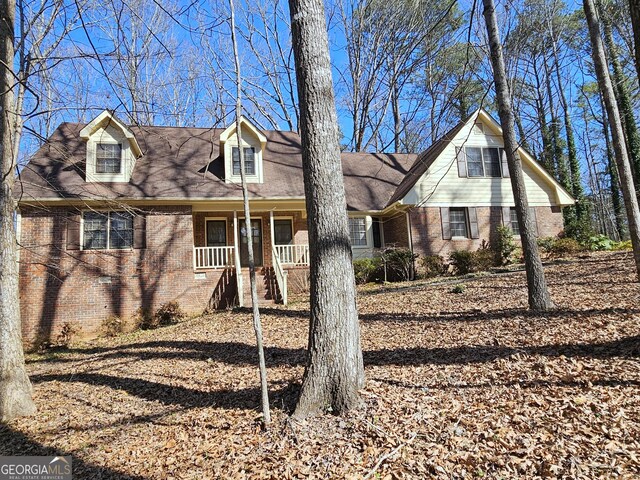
pixel 483 162
pixel 249 160
pixel 358 231
pixel 108 158
pixel 458 222
pixel 515 226
pixel 107 230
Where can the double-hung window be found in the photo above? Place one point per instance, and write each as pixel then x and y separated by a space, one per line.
pixel 515 226
pixel 483 162
pixel 358 231
pixel 249 160
pixel 108 158
pixel 458 222
pixel 102 230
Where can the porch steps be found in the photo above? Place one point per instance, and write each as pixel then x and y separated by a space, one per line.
pixel 265 283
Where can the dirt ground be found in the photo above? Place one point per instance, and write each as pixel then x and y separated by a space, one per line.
pixel 459 385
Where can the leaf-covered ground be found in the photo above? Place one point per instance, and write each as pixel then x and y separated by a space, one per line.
pixel 467 385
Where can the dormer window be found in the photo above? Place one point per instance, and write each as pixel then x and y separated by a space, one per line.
pixel 249 160
pixel 253 143
pixel 108 158
pixel 112 149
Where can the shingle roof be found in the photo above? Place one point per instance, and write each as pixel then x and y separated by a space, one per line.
pixel 185 163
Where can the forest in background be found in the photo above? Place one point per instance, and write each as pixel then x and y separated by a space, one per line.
pixel 404 72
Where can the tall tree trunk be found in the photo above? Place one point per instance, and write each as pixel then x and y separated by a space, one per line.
pixel 334 370
pixel 617 132
pixel 623 99
pixel 257 324
pixel 15 387
pixel 547 150
pixel 539 298
pixel 581 214
pixel 614 178
pixel 634 9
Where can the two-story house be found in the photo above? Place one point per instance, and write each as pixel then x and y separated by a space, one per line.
pixel 114 217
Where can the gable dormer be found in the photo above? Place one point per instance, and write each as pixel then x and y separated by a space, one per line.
pixel 112 149
pixel 253 143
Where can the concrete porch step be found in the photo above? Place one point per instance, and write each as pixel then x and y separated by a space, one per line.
pixel 263 286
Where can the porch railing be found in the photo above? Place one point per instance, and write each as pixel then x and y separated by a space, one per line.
pixel 281 276
pixel 296 255
pixel 212 257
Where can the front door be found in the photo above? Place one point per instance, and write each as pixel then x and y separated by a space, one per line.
pixel 256 231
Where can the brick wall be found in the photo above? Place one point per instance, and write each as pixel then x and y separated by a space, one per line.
pixel 59 285
pixel 395 230
pixel 426 229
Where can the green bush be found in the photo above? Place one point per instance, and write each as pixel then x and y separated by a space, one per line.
pixel 169 313
pixel 457 289
pixel 367 270
pixel 566 246
pixel 623 245
pixel 464 261
pixel 599 243
pixel 461 261
pixel 545 244
pixel 505 245
pixel 483 260
pixel 432 266
pixel 398 264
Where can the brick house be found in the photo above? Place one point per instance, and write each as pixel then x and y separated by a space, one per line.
pixel 113 217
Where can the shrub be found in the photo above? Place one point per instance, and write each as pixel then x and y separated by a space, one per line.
pixel 565 246
pixel 482 260
pixel 457 289
pixel 367 270
pixel 462 261
pixel 545 244
pixel 432 266
pixel 398 264
pixel 599 243
pixel 169 313
pixel 142 318
pixel 624 245
pixel 112 326
pixel 66 335
pixel 505 245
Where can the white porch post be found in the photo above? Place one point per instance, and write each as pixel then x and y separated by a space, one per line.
pixel 236 252
pixel 273 238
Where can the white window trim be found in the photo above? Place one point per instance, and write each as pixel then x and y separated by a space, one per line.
pixel 368 227
pixel 466 221
pixel 96 210
pixel 226 229
pixel 91 161
pixel 228 161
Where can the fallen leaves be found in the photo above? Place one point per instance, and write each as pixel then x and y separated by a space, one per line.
pixel 458 386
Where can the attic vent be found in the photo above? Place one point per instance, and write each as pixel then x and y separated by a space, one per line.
pixel 478 127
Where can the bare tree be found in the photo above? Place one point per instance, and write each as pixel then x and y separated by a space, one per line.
pixel 617 131
pixel 15 387
pixel 257 325
pixel 334 370
pixel 539 298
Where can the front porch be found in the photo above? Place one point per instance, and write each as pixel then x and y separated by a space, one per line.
pixel 280 243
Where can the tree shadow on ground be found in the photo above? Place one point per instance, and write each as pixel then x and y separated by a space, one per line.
pixel 15 443
pixel 237 353
pixel 227 399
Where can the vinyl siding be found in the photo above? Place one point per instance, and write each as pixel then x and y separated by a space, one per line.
pixel 441 185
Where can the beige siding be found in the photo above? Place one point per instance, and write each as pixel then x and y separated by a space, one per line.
pixel 441 185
